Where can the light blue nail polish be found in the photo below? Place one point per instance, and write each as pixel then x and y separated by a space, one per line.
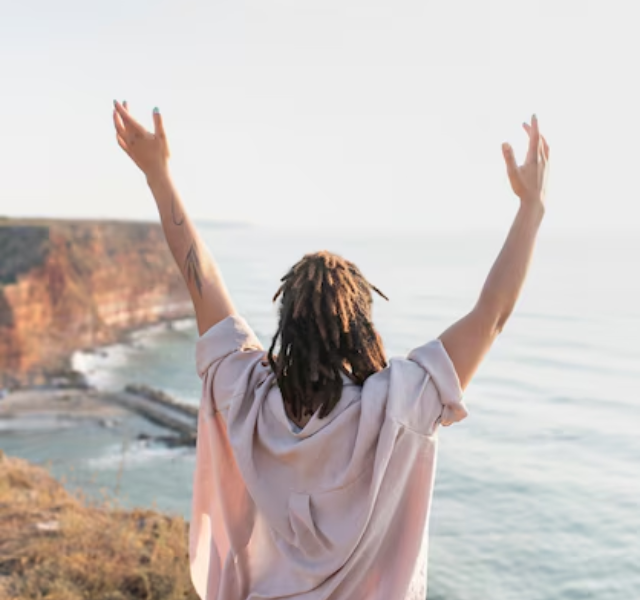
pixel 115 102
pixel 156 111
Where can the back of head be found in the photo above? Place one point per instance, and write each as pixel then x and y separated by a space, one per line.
pixel 325 331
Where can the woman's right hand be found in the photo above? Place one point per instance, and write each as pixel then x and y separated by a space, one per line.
pixel 150 151
pixel 528 180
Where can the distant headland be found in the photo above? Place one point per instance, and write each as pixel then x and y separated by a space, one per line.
pixel 67 285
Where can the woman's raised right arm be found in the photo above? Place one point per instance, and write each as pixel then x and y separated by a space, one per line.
pixel 468 340
pixel 150 152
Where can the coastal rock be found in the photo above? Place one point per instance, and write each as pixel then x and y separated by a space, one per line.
pixel 160 397
pixel 70 285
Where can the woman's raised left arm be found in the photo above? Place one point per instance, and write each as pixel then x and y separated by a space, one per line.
pixel 150 152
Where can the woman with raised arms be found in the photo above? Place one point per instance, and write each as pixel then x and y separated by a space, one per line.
pixel 315 457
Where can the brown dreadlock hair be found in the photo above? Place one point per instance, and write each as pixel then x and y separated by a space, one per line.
pixel 325 330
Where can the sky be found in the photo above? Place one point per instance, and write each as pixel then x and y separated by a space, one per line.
pixel 348 113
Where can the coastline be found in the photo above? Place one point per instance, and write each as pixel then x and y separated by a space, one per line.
pixel 80 359
pixel 71 284
pixel 70 399
pixel 72 374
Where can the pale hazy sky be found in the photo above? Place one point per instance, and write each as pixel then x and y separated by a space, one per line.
pixel 373 113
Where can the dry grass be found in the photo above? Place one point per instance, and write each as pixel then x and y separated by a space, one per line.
pixel 60 547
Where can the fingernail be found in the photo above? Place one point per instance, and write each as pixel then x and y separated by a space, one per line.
pixel 115 102
pixel 156 111
pixel 534 116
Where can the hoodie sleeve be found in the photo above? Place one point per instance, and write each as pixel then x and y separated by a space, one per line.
pixel 425 390
pixel 226 359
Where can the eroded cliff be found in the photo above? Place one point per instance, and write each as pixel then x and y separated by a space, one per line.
pixel 67 285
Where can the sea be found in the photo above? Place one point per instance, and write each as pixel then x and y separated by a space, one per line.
pixel 537 492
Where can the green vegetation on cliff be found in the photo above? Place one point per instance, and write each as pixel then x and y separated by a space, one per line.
pixel 22 247
pixel 59 547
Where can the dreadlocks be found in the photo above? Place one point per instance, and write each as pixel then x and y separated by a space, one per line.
pixel 325 330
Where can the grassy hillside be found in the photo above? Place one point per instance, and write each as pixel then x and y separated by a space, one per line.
pixel 59 547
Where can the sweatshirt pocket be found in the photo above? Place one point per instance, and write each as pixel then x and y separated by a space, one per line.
pixel 329 524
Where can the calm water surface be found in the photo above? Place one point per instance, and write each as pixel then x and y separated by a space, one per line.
pixel 538 491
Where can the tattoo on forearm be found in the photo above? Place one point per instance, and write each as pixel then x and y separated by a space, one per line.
pixel 192 268
pixel 177 219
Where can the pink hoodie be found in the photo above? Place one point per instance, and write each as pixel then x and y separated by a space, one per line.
pixel 338 510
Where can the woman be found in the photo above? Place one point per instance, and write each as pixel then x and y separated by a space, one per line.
pixel 315 463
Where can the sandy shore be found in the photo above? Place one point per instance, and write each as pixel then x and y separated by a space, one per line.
pixel 30 408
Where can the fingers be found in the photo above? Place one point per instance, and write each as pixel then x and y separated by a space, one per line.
pixel 119 125
pixel 510 161
pixel 122 144
pixel 158 125
pixel 545 148
pixel 127 119
pixel 534 141
pixel 509 158
pixel 545 145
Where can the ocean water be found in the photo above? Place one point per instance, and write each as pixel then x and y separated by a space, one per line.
pixel 538 492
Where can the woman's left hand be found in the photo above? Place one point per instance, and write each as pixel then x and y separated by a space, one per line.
pixel 150 151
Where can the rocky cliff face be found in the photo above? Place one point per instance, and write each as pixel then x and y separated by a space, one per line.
pixel 67 285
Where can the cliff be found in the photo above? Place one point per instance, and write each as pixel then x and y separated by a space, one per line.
pixel 68 285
